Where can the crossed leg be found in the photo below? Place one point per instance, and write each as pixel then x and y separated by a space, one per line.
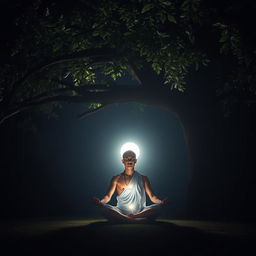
pixel 114 215
pixel 150 213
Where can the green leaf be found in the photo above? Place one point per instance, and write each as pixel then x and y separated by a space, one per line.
pixel 95 105
pixel 165 3
pixel 163 35
pixel 95 25
pixel 162 17
pixel 95 33
pixel 147 7
pixel 157 68
pixel 171 18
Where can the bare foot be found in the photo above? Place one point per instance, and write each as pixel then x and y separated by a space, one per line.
pixel 131 216
pixel 140 220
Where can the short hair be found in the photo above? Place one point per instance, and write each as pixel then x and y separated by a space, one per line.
pixel 129 153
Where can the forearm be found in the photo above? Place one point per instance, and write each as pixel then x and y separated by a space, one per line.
pixel 155 200
pixel 105 199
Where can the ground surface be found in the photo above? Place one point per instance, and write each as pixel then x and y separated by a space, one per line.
pixel 98 237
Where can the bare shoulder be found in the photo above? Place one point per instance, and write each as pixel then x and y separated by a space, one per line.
pixel 145 178
pixel 116 178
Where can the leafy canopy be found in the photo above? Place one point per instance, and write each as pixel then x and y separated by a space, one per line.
pixel 158 32
pixel 58 47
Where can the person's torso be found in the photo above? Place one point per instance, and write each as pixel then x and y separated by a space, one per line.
pixel 122 182
pixel 132 198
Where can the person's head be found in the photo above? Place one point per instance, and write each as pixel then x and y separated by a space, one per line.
pixel 129 159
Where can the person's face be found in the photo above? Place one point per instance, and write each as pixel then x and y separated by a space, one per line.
pixel 129 161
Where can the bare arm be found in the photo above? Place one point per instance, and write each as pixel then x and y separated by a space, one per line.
pixel 151 195
pixel 149 191
pixel 109 194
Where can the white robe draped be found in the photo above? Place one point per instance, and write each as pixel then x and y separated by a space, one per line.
pixel 132 200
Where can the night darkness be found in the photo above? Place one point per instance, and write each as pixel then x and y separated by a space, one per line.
pixel 78 79
pixel 64 162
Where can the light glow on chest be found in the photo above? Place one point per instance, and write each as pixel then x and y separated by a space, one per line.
pixel 130 186
pixel 130 206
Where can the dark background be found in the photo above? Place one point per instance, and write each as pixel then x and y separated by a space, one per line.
pixel 52 167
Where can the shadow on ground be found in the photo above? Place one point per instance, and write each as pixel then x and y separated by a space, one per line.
pixel 102 238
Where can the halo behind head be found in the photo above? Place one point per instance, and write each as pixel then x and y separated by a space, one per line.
pixel 130 146
pixel 128 153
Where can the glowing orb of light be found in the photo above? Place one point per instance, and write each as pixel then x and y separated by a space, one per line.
pixel 131 206
pixel 130 146
pixel 130 186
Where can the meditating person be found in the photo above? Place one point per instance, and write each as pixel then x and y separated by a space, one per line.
pixel 131 188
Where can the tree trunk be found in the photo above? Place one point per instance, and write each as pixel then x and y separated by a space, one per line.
pixel 221 161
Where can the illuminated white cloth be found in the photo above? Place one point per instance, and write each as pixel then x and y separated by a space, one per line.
pixel 133 197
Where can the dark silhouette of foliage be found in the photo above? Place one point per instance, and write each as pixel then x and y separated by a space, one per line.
pixel 77 51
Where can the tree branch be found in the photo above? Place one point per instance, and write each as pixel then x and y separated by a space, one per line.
pixel 98 55
pixel 161 97
pixel 45 94
pixel 146 76
pixel 132 71
pixel 78 89
pixel 11 114
pixel 89 112
pixel 85 87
